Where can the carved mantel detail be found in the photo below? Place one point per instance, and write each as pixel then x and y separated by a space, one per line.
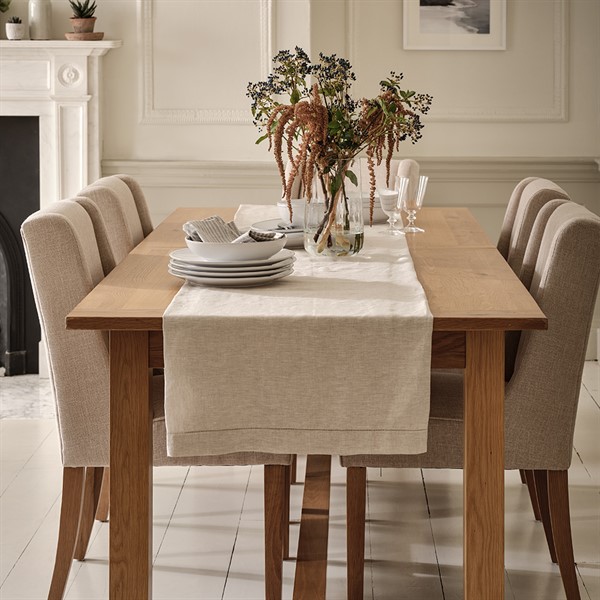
pixel 60 82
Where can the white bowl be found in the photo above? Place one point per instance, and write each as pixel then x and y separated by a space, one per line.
pixel 298 206
pixel 230 252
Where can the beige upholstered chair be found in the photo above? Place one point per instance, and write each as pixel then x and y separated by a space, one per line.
pixel 140 202
pixel 540 399
pixel 64 265
pixel 510 214
pixel 535 195
pixel 119 212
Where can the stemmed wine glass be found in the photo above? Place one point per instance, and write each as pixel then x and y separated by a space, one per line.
pixel 390 201
pixel 412 201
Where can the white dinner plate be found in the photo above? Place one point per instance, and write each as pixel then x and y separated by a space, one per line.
pixel 234 281
pixel 187 271
pixel 183 266
pixel 295 236
pixel 186 256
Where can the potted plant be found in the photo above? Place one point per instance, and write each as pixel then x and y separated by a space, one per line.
pixel 83 19
pixel 15 29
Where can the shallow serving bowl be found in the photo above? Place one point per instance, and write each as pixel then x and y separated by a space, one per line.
pixel 298 207
pixel 229 252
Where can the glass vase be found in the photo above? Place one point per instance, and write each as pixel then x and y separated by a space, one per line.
pixel 333 217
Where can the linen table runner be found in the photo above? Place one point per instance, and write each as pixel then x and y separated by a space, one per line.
pixel 334 359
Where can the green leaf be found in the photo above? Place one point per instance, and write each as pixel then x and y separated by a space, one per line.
pixel 262 138
pixel 295 97
pixel 352 177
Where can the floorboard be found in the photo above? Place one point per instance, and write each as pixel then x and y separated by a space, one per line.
pixel 208 537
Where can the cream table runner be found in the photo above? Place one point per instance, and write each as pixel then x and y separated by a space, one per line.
pixel 334 359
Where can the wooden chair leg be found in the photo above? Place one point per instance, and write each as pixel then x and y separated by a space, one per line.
pixel 275 484
pixel 104 501
pixel 285 525
pixel 91 495
pixel 294 469
pixel 530 481
pixel 70 510
pixel 356 495
pixel 541 489
pixel 558 499
pixel 522 474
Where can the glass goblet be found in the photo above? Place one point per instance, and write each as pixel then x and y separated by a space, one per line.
pixel 391 206
pixel 412 201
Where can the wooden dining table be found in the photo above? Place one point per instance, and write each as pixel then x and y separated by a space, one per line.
pixel 474 297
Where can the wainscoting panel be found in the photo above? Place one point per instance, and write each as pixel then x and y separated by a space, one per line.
pixel 505 86
pixel 182 82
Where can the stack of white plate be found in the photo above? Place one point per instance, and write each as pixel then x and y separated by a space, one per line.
pixel 238 273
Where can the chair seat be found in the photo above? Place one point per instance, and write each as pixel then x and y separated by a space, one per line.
pixel 445 436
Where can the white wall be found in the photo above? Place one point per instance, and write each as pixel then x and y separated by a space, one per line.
pixel 177 118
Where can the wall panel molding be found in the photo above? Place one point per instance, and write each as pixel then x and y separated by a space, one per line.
pixel 201 115
pixel 264 175
pixel 558 111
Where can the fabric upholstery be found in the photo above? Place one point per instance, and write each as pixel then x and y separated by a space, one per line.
pixel 64 265
pixel 380 173
pixel 108 205
pixel 140 203
pixel 541 398
pixel 511 341
pixel 509 216
pixel 535 195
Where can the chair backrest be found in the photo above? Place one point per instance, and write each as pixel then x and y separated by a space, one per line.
pixel 114 203
pixel 535 195
pixel 380 175
pixel 511 342
pixel 509 216
pixel 541 398
pixel 140 203
pixel 64 266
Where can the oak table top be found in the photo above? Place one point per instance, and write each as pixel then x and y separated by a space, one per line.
pixel 468 284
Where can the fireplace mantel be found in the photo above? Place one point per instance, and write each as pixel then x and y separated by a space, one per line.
pixel 60 82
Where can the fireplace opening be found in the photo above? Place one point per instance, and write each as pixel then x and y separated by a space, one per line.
pixel 19 197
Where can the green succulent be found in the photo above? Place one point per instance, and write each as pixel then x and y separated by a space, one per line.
pixel 4 4
pixel 14 20
pixel 83 10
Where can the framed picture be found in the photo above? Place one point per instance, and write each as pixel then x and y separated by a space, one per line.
pixel 454 24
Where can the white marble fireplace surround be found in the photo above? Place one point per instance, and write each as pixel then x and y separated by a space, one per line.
pixel 60 82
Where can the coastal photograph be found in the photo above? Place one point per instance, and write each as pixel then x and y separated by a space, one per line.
pixel 454 16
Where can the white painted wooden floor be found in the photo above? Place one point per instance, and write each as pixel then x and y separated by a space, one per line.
pixel 208 522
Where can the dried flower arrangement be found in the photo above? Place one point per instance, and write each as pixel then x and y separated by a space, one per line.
pixel 324 128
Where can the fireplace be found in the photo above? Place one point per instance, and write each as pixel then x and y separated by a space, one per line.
pixel 19 197
pixel 54 88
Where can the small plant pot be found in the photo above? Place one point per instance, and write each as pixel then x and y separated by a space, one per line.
pixel 83 25
pixel 15 31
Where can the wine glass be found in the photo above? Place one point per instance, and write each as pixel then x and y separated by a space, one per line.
pixel 412 201
pixel 391 206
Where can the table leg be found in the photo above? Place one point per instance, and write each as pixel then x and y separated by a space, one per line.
pixel 130 528
pixel 484 466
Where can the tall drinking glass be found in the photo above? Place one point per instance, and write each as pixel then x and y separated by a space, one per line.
pixel 390 201
pixel 412 201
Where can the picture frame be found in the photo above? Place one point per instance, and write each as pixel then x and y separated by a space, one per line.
pixel 454 25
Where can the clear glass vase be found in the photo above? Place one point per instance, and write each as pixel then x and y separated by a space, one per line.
pixel 333 218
